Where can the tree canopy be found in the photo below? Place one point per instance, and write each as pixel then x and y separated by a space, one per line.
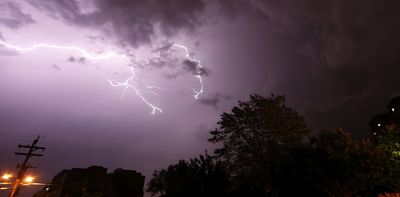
pixel 200 176
pixel 266 149
pixel 256 137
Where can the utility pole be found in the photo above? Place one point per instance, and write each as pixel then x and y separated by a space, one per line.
pixel 23 167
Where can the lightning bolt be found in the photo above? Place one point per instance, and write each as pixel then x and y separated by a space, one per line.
pixel 198 76
pixel 114 83
pixel 127 85
pixel 84 52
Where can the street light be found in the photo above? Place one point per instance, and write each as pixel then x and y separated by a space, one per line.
pixel 6 176
pixel 28 179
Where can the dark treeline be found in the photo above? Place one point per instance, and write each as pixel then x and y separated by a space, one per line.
pixel 267 150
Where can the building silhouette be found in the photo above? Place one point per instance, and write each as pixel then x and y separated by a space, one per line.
pixel 386 121
pixel 94 182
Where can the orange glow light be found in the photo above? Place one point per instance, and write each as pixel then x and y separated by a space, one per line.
pixel 6 176
pixel 28 179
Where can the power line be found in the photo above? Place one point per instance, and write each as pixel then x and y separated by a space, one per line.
pixel 23 167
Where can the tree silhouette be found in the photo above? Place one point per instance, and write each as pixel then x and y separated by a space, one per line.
pixel 256 137
pixel 389 141
pixel 342 166
pixel 266 150
pixel 200 176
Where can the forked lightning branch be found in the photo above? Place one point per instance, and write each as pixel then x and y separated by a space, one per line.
pixel 127 84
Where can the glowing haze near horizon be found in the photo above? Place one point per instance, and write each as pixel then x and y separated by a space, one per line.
pixel 337 63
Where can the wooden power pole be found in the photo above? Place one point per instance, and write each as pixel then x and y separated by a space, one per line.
pixel 23 167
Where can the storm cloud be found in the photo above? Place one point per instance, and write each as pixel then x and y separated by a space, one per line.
pixel 13 17
pixel 339 52
pixel 131 22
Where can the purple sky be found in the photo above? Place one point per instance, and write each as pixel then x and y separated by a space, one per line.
pixel 337 62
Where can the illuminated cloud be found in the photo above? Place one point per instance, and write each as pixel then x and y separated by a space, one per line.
pixel 12 16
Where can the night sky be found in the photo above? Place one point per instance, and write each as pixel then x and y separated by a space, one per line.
pixel 337 62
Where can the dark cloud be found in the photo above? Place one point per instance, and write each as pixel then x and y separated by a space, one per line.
pixel 194 68
pixel 71 59
pixel 213 100
pixel 13 17
pixel 55 67
pixel 80 60
pixel 338 58
pixel 132 22
pixel 242 8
